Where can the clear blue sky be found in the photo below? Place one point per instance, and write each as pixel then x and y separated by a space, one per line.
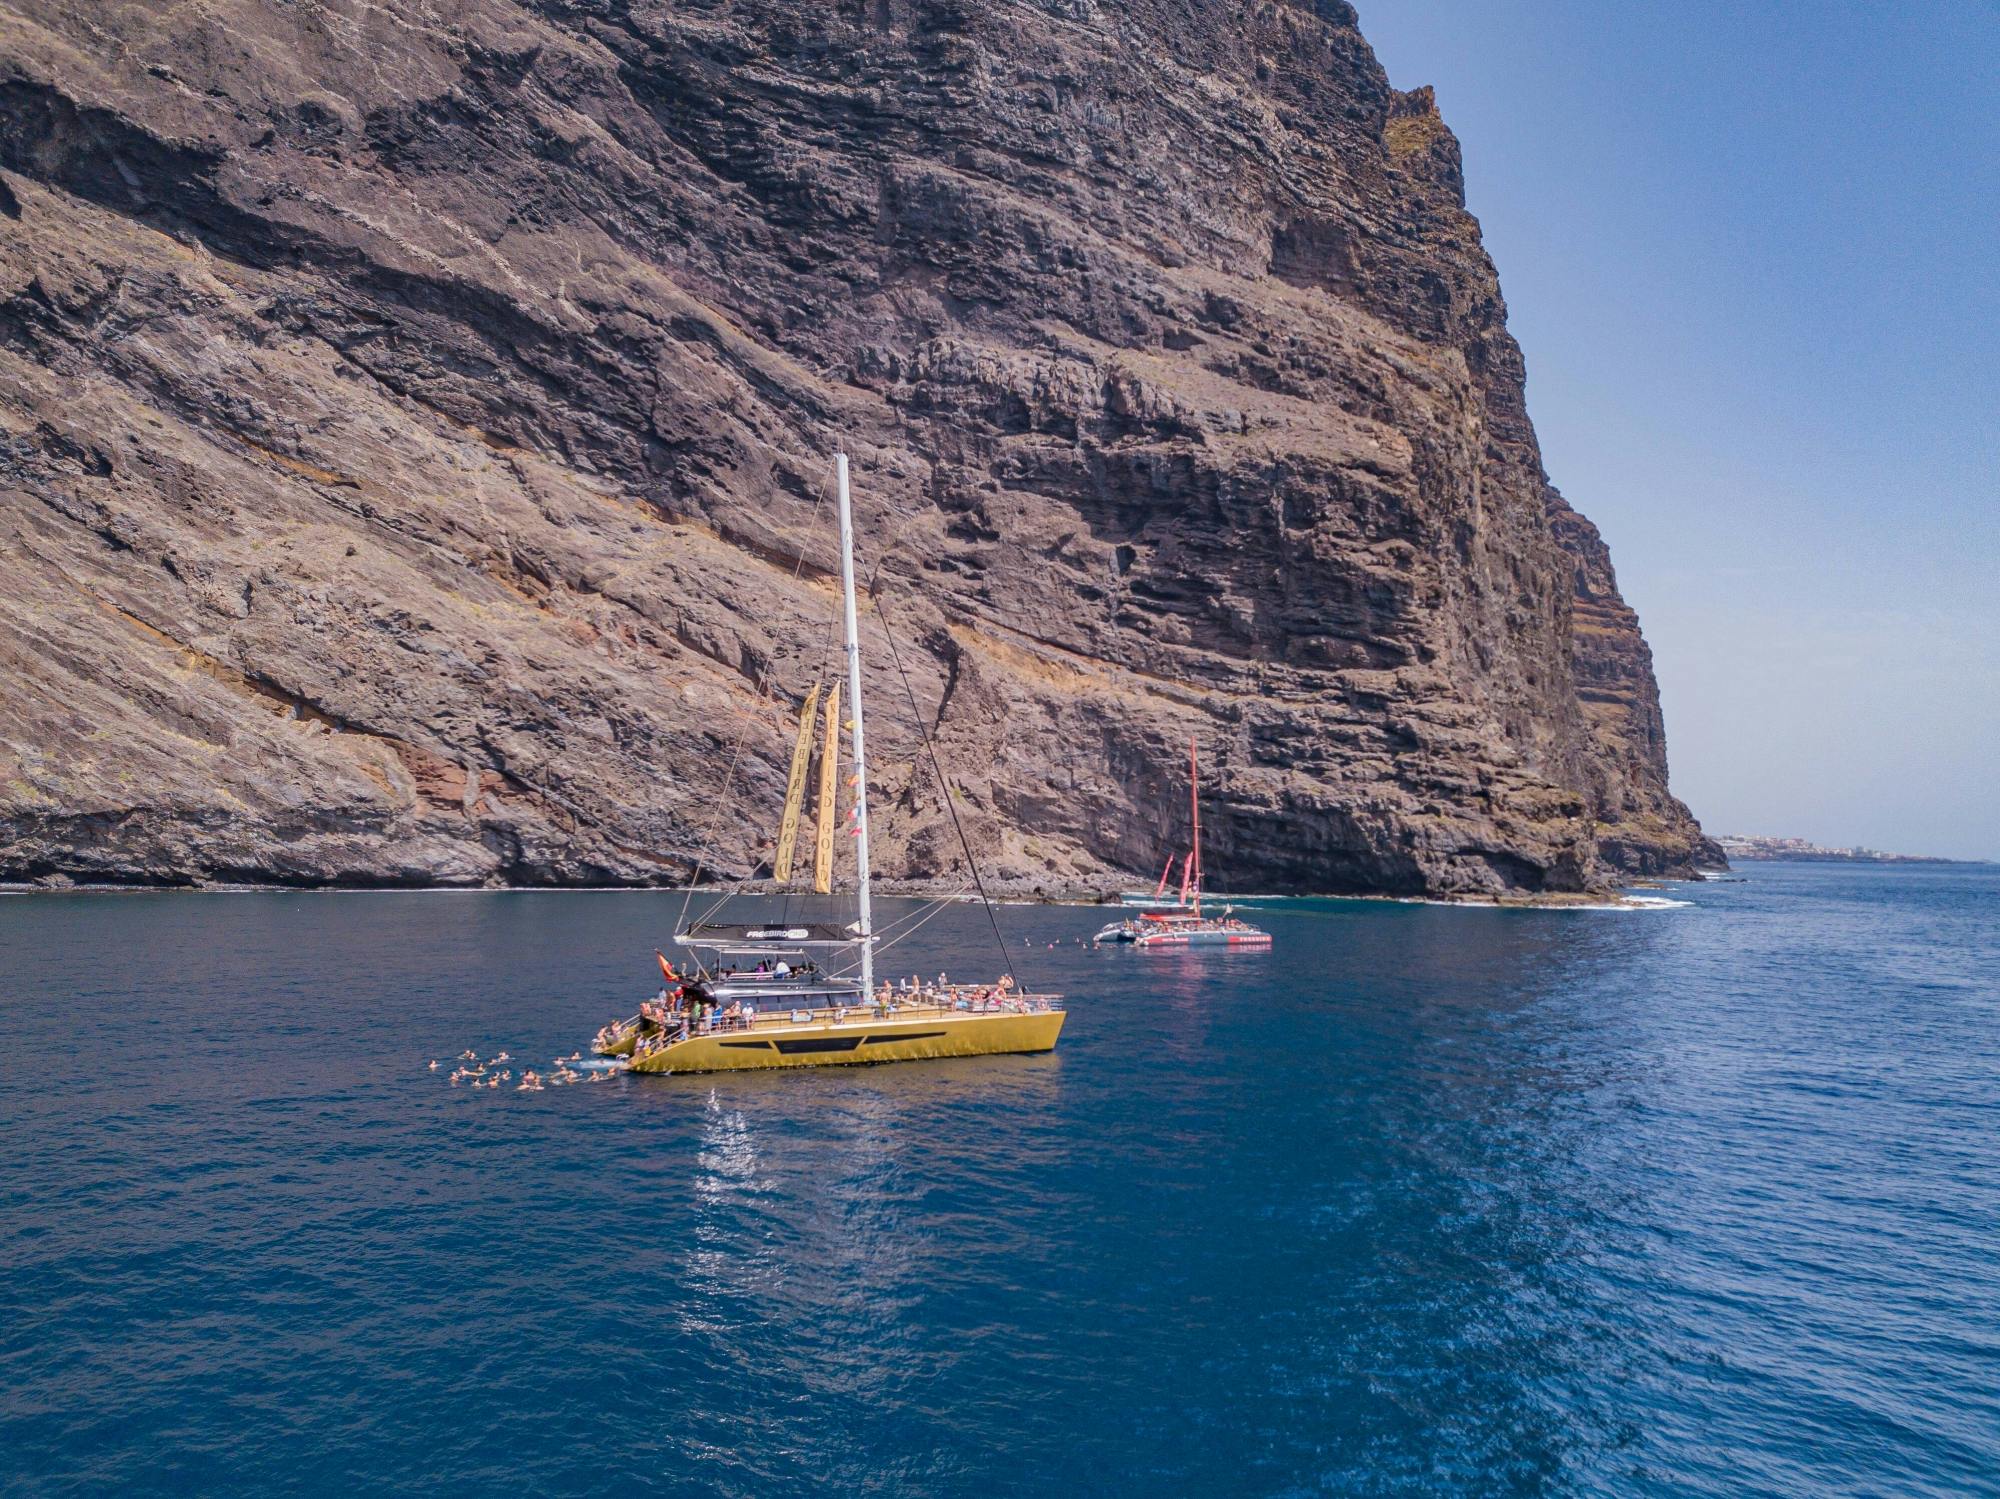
pixel 1752 253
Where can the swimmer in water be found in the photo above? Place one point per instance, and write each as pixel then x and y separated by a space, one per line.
pixel 434 1066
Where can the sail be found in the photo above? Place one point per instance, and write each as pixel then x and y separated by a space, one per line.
pixel 795 789
pixel 829 779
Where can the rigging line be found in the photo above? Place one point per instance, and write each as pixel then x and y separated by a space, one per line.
pixel 742 736
pixel 883 947
pixel 923 910
pixel 883 944
pixel 737 888
pixel 913 919
pixel 829 662
pixel 708 838
pixel 944 786
pixel 940 907
pixel 828 651
pixel 927 914
pixel 729 893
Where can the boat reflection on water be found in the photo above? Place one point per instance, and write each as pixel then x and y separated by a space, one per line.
pixel 813 1202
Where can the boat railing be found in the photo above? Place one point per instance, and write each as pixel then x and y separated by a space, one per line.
pixel 903 1007
pixel 870 1012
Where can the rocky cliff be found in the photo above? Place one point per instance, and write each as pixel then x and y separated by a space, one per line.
pixel 414 433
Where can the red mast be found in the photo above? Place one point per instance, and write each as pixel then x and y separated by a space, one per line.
pixel 1194 800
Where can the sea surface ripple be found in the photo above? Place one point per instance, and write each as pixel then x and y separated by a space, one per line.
pixel 1697 1201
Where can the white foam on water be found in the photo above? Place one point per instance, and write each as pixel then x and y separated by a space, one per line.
pixel 1622 903
pixel 1628 903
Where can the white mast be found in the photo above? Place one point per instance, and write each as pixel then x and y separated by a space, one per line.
pixel 860 750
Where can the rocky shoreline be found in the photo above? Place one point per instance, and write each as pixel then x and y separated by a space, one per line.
pixel 1108 900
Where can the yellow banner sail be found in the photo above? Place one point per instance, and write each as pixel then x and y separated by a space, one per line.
pixel 829 778
pixel 795 790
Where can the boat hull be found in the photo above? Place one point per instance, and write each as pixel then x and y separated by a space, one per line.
pixel 858 1040
pixel 1202 939
pixel 1138 934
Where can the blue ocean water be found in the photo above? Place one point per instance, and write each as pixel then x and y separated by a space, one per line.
pixel 1426 1201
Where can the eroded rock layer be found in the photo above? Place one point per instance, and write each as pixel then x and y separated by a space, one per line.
pixel 414 425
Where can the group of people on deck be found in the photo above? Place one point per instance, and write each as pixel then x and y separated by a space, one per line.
pixel 692 1008
pixel 913 992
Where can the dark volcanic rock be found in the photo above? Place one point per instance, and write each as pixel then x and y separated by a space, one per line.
pixel 414 432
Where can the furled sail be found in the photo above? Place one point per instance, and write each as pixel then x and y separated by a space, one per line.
pixel 795 790
pixel 829 782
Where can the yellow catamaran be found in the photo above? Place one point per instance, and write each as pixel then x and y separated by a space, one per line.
pixel 760 994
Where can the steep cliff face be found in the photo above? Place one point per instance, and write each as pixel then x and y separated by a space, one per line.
pixel 414 432
pixel 1641 829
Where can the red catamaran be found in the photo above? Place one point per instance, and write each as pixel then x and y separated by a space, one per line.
pixel 1183 924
